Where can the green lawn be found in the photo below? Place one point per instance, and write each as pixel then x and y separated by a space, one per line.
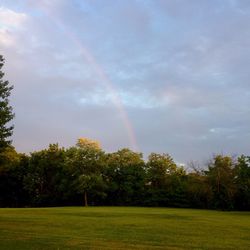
pixel 123 228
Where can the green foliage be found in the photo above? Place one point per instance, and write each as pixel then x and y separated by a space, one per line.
pixel 44 176
pixel 242 181
pixel 6 114
pixel 10 177
pixel 125 177
pixel 159 167
pixel 9 157
pixel 84 174
pixel 85 162
pixel 221 178
pixel 199 192
pixel 164 181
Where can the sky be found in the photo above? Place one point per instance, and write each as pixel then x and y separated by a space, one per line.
pixel 152 75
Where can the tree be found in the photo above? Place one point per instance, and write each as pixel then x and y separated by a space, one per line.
pixel 221 179
pixel 85 162
pixel 6 114
pixel 125 177
pixel 199 192
pixel 160 168
pixel 242 180
pixel 45 176
pixel 9 183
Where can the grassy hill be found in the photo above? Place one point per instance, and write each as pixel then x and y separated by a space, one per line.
pixel 122 228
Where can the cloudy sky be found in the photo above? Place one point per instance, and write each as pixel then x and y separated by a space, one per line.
pixel 152 75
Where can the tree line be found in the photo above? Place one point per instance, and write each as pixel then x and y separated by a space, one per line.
pixel 86 175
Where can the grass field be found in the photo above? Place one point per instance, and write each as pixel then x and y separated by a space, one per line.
pixel 122 228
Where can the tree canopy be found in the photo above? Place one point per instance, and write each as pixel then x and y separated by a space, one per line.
pixel 6 114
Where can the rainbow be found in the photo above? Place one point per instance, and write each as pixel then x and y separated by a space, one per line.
pixel 106 82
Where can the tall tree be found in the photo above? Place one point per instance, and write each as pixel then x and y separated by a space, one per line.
pixel 85 162
pixel 45 176
pixel 222 182
pixel 9 183
pixel 160 169
pixel 125 177
pixel 242 180
pixel 6 114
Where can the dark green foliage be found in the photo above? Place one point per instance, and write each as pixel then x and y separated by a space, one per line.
pixel 12 173
pixel 84 174
pixel 221 180
pixel 199 192
pixel 6 114
pixel 125 177
pixel 165 186
pixel 45 175
pixel 86 166
pixel 242 182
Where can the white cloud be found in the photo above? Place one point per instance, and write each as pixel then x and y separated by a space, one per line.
pixel 10 19
pixel 10 22
pixel 128 99
pixel 5 38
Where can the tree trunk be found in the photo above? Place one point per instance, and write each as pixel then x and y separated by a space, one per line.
pixel 85 199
